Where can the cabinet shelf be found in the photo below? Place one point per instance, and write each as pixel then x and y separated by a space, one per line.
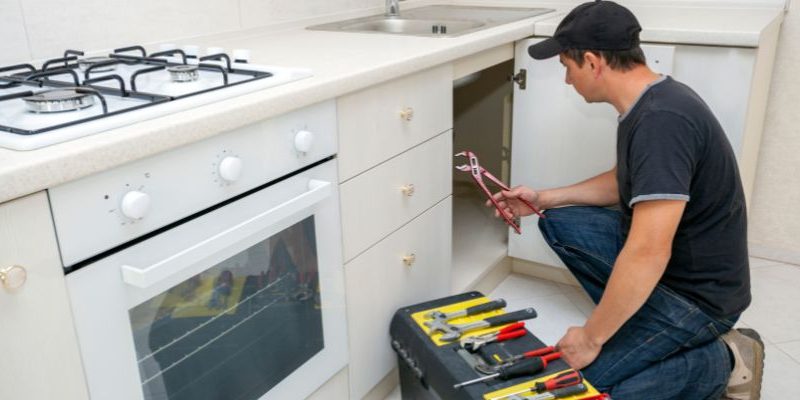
pixel 480 241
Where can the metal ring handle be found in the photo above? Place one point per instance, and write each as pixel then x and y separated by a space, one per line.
pixel 13 277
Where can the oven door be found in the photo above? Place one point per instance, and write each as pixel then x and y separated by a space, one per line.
pixel 243 302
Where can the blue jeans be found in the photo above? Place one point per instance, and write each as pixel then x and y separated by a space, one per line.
pixel 669 349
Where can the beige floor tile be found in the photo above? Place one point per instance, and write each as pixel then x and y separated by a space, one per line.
pixel 517 287
pixel 761 262
pixel 792 349
pixel 776 303
pixel 781 374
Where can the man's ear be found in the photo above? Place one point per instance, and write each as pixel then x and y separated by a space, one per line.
pixel 594 61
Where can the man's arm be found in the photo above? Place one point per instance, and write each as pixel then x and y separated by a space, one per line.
pixel 600 190
pixel 638 268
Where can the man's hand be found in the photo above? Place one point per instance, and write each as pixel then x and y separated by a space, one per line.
pixel 577 348
pixel 510 204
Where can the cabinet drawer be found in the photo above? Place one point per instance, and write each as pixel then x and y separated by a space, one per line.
pixel 373 125
pixel 379 282
pixel 384 198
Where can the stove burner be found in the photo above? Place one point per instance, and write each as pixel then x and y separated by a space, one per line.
pixel 58 100
pixel 184 73
pixel 87 62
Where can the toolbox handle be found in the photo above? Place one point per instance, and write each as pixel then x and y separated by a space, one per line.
pixel 515 316
pixel 490 306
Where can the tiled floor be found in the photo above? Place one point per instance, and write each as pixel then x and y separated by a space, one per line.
pixel 774 313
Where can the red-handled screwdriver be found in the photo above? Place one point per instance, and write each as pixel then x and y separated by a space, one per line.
pixel 562 380
pixel 529 366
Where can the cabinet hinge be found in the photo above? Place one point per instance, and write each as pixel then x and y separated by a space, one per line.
pixel 520 78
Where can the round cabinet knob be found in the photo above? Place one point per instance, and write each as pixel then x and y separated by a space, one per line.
pixel 230 168
pixel 13 277
pixel 303 141
pixel 409 259
pixel 135 204
pixel 408 190
pixel 407 114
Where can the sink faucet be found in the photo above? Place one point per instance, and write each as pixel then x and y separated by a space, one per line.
pixel 392 8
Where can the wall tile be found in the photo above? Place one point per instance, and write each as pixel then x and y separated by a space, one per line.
pixel 105 24
pixel 12 30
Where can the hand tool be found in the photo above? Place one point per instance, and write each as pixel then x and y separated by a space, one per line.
pixel 478 173
pixel 487 369
pixel 529 366
pixel 601 396
pixel 453 332
pixel 554 394
pixel 439 319
pixel 473 343
pixel 562 380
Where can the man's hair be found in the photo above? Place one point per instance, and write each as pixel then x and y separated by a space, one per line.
pixel 619 60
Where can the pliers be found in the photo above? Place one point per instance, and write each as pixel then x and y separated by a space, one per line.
pixel 473 343
pixel 478 173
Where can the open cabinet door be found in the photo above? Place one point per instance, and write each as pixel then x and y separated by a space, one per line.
pixel 557 138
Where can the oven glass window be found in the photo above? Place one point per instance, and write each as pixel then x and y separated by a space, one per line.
pixel 237 329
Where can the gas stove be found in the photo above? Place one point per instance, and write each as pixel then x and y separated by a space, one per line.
pixel 74 96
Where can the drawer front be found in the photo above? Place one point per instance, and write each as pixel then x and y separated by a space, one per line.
pixel 379 282
pixel 379 201
pixel 375 124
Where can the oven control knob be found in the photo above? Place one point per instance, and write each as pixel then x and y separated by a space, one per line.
pixel 303 141
pixel 135 204
pixel 230 168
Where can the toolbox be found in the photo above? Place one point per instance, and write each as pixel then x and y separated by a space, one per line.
pixel 430 367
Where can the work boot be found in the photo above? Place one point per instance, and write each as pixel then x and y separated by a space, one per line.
pixel 748 364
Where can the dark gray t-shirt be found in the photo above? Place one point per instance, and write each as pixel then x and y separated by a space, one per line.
pixel 670 146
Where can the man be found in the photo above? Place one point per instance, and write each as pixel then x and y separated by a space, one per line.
pixel 669 271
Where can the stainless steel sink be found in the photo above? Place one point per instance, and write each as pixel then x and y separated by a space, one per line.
pixel 435 21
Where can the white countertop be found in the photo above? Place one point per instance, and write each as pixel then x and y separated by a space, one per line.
pixel 342 63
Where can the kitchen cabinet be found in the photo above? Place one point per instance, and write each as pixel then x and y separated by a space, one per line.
pixel 395 171
pixel 40 357
pixel 559 139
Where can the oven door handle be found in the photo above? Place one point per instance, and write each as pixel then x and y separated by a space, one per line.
pixel 148 276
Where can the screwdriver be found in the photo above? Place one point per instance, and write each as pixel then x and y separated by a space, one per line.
pixel 525 367
pixel 565 379
pixel 559 393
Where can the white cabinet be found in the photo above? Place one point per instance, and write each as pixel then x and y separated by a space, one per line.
pixel 39 357
pixel 559 139
pixel 409 266
pixel 385 120
pixel 395 169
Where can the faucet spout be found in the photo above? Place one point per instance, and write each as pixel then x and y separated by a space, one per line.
pixel 392 8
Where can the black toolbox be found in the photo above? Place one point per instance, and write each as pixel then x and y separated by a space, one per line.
pixel 429 370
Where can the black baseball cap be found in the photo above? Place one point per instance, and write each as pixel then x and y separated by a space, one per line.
pixel 597 25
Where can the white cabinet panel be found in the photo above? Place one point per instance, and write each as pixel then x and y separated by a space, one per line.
pixel 39 357
pixel 382 121
pixel 379 282
pixel 384 198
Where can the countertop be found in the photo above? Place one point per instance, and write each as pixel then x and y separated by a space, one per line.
pixel 342 63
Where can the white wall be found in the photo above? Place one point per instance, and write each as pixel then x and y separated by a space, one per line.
pixel 775 209
pixel 40 29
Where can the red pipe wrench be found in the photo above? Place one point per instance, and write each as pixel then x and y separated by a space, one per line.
pixel 478 173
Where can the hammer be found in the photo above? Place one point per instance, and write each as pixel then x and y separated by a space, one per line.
pixel 453 332
pixel 439 322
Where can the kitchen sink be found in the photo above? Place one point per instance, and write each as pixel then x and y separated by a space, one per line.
pixel 435 21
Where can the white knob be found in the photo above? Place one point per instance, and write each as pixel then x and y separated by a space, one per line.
pixel 303 141
pixel 407 114
pixel 408 190
pixel 135 204
pixel 230 168
pixel 409 259
pixel 13 277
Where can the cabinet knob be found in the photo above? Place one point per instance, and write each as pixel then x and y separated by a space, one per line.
pixel 13 277
pixel 408 190
pixel 407 114
pixel 409 259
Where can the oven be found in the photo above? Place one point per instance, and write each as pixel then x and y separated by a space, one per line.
pixel 212 271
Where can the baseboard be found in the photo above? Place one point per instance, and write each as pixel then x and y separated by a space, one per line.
pixel 493 276
pixel 384 387
pixel 548 272
pixel 774 254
